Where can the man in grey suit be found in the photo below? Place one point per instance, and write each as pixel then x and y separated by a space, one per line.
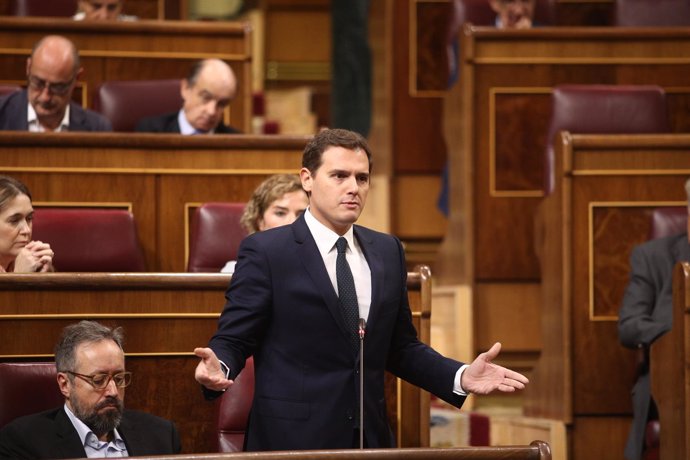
pixel 46 105
pixel 646 314
pixel 93 422
pixel 294 303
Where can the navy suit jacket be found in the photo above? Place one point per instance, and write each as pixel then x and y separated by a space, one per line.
pixel 646 314
pixel 282 308
pixel 168 124
pixel 13 115
pixel 51 434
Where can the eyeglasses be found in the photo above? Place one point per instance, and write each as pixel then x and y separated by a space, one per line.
pixel 101 381
pixel 59 89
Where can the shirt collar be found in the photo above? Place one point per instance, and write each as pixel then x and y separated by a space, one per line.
pixel 185 127
pixel 35 125
pixel 324 237
pixel 88 437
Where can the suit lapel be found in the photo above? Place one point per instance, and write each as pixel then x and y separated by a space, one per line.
pixel 67 440
pixel 313 264
pixel 77 117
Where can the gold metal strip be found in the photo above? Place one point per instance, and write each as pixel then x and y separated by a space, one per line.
pixel 584 60
pixel 630 172
pixel 493 92
pixel 143 171
pixel 79 204
pixel 398 403
pixel 590 230
pixel 133 355
pixel 56 316
pixel 187 231
pixel 194 55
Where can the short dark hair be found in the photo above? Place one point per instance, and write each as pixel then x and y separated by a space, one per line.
pixel 78 333
pixel 11 188
pixel 313 152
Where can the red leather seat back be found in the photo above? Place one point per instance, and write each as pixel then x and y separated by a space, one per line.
pixel 55 8
pixel 652 13
pixel 234 410
pixel 90 240
pixel 668 221
pixel 27 388
pixel 124 103
pixel 215 236
pixel 7 89
pixel 603 109
pixel 479 12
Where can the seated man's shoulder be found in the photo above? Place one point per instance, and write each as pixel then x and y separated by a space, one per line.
pixel 158 123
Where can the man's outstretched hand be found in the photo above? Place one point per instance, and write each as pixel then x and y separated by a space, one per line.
pixel 483 377
pixel 209 372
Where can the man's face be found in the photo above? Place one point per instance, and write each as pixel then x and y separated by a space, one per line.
pixel 15 227
pixel 205 102
pixel 99 10
pixel 51 81
pixel 514 14
pixel 338 188
pixel 101 410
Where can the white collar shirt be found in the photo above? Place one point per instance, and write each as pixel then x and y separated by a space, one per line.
pixel 94 447
pixel 35 126
pixel 186 129
pixel 325 239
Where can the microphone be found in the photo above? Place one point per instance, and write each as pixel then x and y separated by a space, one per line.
pixel 361 329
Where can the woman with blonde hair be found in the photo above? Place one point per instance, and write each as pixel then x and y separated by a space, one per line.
pixel 278 200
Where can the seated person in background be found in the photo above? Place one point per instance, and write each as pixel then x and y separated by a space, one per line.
pixel 17 252
pixel 100 10
pixel 278 200
pixel 646 314
pixel 52 72
pixel 206 92
pixel 513 14
pixel 93 422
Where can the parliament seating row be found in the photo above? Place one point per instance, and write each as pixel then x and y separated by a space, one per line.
pixel 105 239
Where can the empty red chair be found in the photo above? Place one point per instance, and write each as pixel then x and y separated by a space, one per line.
pixel 603 109
pixel 124 103
pixel 90 239
pixel 215 236
pixel 27 388
pixel 53 8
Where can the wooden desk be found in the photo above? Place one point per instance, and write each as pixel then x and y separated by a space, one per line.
pixel 606 188
pixel 165 316
pixel 141 50
pixel 161 178
pixel 670 372
pixel 496 122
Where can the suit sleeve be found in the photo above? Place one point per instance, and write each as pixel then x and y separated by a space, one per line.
pixel 636 325
pixel 415 361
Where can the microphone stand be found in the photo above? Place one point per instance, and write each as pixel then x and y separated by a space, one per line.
pixel 361 329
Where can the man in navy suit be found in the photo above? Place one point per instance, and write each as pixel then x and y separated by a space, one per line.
pixel 93 422
pixel 52 72
pixel 207 91
pixel 283 308
pixel 646 314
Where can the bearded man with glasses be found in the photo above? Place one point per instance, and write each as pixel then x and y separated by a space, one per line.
pixel 93 422
pixel 46 105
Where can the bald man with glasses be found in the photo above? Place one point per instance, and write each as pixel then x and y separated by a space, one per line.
pixel 93 422
pixel 46 104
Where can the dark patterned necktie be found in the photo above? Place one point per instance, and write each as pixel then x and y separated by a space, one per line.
pixel 346 292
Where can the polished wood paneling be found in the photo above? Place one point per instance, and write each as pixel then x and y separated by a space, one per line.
pixel 165 316
pixel 141 50
pixel 157 174
pixel 504 104
pixel 605 187
pixel 670 372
